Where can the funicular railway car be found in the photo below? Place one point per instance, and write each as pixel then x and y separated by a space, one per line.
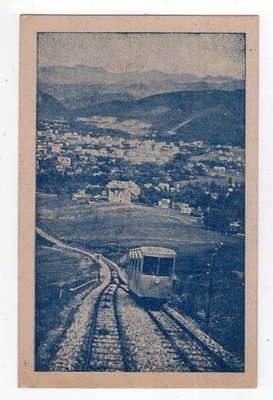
pixel 150 272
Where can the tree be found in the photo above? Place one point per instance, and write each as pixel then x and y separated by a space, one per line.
pixel 226 209
pixel 216 219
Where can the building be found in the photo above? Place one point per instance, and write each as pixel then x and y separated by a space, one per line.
pixel 219 170
pixel 185 208
pixel 56 148
pixel 119 196
pixel 130 186
pixel 164 186
pixel 164 203
pixel 235 226
pixel 80 194
pixel 148 185
pixel 65 161
pixel 59 168
pixel 198 143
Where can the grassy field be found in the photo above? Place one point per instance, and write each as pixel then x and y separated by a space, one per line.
pixel 112 229
pixel 125 225
pixel 56 271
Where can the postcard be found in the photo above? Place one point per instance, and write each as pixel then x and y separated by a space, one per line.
pixel 138 201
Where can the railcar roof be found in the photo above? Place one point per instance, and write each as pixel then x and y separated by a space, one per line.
pixel 155 251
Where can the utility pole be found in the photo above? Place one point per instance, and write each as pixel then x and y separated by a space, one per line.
pixel 210 289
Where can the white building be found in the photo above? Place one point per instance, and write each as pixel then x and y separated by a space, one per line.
pixel 148 185
pixel 131 186
pixel 219 170
pixel 164 203
pixel 185 208
pixel 56 148
pixel 65 161
pixel 120 196
pixel 80 194
pixel 164 186
pixel 198 143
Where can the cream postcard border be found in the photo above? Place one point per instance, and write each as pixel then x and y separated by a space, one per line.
pixel 30 25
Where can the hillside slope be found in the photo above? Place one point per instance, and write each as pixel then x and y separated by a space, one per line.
pixel 215 116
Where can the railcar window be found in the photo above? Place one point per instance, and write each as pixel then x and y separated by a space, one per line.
pixel 150 265
pixel 165 267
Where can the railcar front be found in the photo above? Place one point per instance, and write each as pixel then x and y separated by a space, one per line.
pixel 150 272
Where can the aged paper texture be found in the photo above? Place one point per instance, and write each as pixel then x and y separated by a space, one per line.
pixel 138 201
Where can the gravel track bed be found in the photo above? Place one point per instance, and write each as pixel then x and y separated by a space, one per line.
pixel 150 351
pixel 106 350
pixel 68 357
pixel 49 347
pixel 215 347
pixel 197 357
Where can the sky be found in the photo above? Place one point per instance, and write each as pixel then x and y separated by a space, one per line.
pixel 197 54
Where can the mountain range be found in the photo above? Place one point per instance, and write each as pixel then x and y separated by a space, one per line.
pixel 182 107
pixel 69 82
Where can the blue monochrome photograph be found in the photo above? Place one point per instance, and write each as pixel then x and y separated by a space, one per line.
pixel 140 202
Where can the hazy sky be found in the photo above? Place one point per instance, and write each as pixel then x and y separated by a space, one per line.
pixel 198 54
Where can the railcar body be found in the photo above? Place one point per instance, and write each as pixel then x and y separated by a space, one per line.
pixel 150 272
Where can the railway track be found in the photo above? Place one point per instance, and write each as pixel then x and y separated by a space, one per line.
pixel 60 243
pixel 193 353
pixel 106 349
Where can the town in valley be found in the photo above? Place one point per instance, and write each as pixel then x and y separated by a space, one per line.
pixel 139 170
